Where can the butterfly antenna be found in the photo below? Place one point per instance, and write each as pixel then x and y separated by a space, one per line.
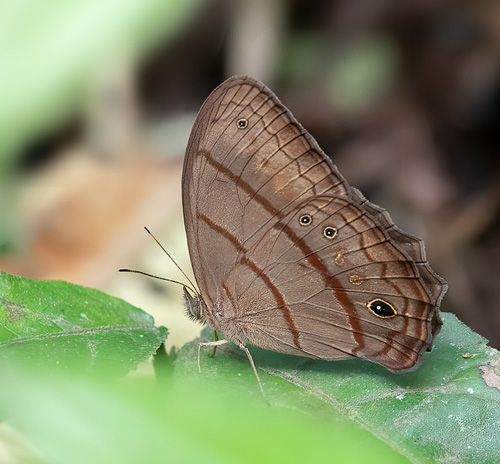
pixel 173 260
pixel 157 277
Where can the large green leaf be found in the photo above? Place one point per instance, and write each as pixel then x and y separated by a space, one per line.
pixel 443 412
pixel 53 323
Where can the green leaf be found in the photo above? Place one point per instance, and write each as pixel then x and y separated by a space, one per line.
pixel 442 412
pixel 81 421
pixel 54 323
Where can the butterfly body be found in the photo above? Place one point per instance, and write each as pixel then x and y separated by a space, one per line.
pixel 288 256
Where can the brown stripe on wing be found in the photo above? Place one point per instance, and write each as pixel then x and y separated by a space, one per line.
pixel 229 294
pixel 280 301
pixel 312 258
pixel 419 329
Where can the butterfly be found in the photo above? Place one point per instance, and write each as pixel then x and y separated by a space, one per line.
pixel 286 254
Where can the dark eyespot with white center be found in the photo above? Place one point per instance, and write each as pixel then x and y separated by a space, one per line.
pixel 242 123
pixel 329 232
pixel 305 220
pixel 381 308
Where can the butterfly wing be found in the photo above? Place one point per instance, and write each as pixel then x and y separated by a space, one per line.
pixel 331 274
pixel 251 176
pixel 236 179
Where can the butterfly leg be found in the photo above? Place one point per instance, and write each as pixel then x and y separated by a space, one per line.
pixel 214 344
pixel 249 356
pixel 216 337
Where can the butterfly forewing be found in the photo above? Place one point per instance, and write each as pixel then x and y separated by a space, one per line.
pixel 240 178
pixel 286 255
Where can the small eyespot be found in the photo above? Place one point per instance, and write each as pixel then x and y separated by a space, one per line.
pixel 356 279
pixel 381 308
pixel 340 258
pixel 305 220
pixel 242 123
pixel 329 232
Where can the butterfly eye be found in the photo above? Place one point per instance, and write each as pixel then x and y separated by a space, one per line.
pixel 242 123
pixel 330 232
pixel 305 220
pixel 381 309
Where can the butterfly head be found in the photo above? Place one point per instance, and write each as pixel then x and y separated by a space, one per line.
pixel 195 306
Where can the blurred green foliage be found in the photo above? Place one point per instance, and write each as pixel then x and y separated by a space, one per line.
pixel 362 73
pixel 358 72
pixel 50 51
pixel 70 419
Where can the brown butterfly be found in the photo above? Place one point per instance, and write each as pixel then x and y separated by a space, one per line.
pixel 287 256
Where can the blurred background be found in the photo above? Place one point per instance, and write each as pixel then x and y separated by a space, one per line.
pixel 97 100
